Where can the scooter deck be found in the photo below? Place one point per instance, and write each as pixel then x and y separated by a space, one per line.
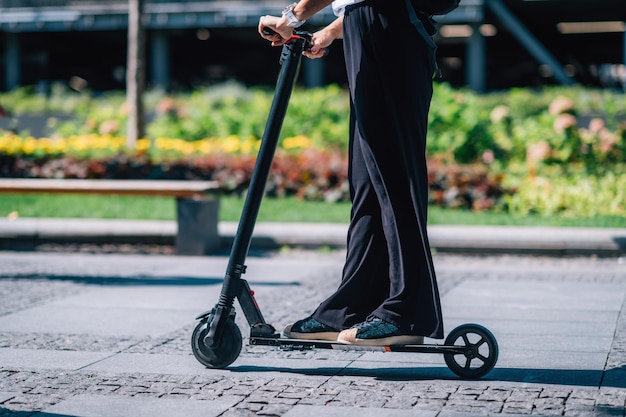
pixel 310 344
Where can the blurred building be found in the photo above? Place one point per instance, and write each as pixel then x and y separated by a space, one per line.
pixel 485 44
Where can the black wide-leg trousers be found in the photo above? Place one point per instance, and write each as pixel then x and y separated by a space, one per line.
pixel 389 271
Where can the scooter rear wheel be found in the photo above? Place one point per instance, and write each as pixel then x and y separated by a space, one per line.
pixel 224 352
pixel 480 355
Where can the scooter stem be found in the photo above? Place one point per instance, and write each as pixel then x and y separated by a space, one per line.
pixel 290 59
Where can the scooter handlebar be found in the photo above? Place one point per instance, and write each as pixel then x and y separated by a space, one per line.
pixel 297 34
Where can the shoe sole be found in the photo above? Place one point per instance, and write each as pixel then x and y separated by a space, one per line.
pixel 384 341
pixel 327 336
pixel 330 336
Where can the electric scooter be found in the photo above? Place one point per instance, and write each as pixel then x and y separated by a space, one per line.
pixel 469 350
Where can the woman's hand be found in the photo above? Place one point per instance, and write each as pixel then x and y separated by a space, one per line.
pixel 319 42
pixel 323 38
pixel 282 32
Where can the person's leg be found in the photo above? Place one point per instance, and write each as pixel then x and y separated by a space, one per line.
pixel 391 91
pixel 365 278
pixel 387 168
pixel 365 284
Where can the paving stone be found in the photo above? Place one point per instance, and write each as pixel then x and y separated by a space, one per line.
pixel 113 406
pixel 47 359
pixel 332 411
pixel 6 396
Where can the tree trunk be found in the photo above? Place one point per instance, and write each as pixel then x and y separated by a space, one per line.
pixel 135 73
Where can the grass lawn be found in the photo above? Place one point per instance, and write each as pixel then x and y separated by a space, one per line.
pixel 272 210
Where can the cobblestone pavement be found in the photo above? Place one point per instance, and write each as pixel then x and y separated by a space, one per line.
pixel 275 383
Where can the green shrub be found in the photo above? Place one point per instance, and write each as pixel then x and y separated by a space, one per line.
pixel 576 194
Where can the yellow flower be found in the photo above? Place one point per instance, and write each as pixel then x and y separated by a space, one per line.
pixel 59 145
pixel 29 146
pixel 250 145
pixel 142 145
pixel 186 148
pixel 163 144
pixel 231 144
pixel 299 141
pixel 206 145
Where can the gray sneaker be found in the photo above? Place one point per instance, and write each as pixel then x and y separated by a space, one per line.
pixel 377 332
pixel 310 329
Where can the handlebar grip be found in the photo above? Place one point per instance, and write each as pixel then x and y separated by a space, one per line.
pixel 268 31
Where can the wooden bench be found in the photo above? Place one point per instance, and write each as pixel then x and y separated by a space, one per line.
pixel 196 206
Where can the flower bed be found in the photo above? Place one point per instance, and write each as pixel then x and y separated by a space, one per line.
pixel 520 151
pixel 311 174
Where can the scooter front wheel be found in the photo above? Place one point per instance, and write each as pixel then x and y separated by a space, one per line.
pixel 224 352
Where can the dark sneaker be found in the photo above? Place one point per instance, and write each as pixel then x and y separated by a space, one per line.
pixel 377 332
pixel 310 329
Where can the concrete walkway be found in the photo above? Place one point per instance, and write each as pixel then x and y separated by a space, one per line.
pixel 96 335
